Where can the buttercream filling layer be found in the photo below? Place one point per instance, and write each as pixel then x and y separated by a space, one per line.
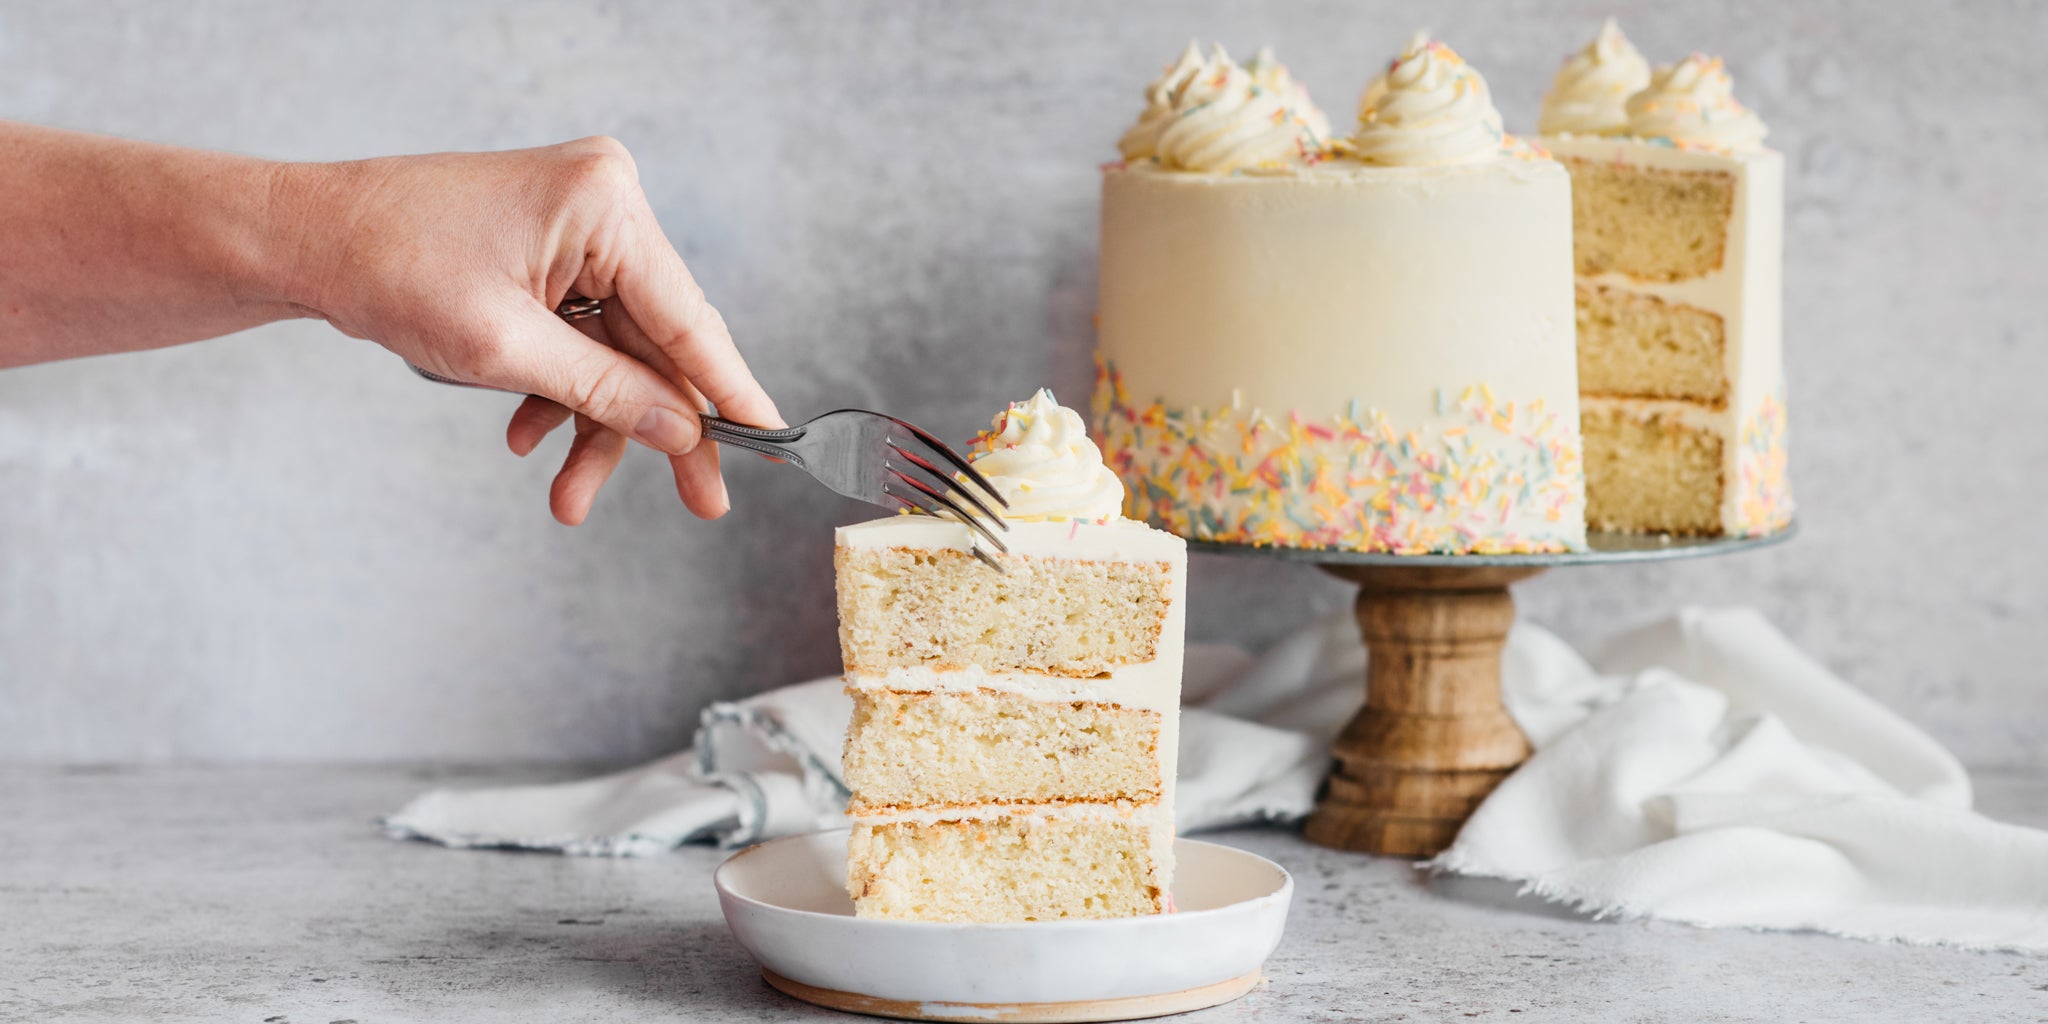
pixel 1148 686
pixel 1151 815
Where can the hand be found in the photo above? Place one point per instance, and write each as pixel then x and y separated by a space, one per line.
pixel 456 262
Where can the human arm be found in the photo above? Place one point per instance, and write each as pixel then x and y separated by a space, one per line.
pixel 454 261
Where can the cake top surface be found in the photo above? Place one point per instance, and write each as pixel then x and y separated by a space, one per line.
pixel 1590 94
pixel 1213 114
pixel 1037 453
pixel 1429 108
pixel 1692 104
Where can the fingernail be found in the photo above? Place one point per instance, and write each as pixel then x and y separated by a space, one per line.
pixel 667 430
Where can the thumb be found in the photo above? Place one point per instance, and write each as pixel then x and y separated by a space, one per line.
pixel 547 357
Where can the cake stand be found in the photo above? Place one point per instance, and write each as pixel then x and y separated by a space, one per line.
pixel 1433 737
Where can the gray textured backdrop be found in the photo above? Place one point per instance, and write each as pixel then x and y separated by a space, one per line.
pixel 281 545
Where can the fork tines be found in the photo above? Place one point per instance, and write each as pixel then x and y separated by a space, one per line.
pixel 934 489
pixel 946 452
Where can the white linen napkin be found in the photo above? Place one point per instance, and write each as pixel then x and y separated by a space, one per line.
pixel 1700 769
pixel 1704 770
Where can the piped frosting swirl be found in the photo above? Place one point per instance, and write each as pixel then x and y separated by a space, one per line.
pixel 1692 103
pixel 1141 140
pixel 1269 74
pixel 1429 108
pixel 1590 94
pixel 1039 456
pixel 1215 115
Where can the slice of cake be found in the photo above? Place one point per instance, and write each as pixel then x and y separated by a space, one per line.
pixel 1363 344
pixel 1011 753
pixel 1678 214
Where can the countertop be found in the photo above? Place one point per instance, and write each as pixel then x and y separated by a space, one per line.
pixel 267 895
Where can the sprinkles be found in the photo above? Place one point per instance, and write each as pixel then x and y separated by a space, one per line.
pixel 1503 478
pixel 1765 502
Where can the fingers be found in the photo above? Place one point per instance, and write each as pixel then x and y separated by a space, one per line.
pixel 593 458
pixel 699 483
pixel 533 421
pixel 593 455
pixel 552 360
pixel 698 480
pixel 664 301
pixel 538 417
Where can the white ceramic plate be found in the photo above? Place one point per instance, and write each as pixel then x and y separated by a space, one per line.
pixel 786 903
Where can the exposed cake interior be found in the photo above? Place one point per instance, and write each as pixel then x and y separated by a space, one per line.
pixel 1677 237
pixel 1649 223
pixel 1013 739
pixel 910 606
pixel 1004 869
pixel 1651 469
pixel 924 749
pixel 1641 346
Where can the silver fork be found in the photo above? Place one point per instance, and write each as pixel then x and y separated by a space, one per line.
pixel 870 456
pixel 876 458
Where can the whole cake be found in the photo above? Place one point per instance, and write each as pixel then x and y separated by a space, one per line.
pixel 1011 753
pixel 1678 217
pixel 1363 344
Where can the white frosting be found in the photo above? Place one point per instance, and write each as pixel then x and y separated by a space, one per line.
pixel 1690 415
pixel 1141 140
pixel 1693 103
pixel 1429 109
pixel 1590 94
pixel 1269 74
pixel 1148 686
pixel 1193 267
pixel 1040 458
pixel 1152 814
pixel 1118 539
pixel 1216 116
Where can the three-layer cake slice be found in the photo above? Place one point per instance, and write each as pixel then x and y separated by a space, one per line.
pixel 1011 752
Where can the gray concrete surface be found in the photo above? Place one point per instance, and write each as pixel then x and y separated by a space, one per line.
pixel 281 546
pixel 265 895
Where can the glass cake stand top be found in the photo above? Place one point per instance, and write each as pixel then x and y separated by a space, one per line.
pixel 1601 549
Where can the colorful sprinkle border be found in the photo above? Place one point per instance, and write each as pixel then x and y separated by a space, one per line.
pixel 1764 502
pixel 1470 485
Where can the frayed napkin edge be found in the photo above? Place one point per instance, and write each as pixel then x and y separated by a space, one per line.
pixel 1550 890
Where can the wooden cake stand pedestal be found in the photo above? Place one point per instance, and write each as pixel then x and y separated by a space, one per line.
pixel 1433 738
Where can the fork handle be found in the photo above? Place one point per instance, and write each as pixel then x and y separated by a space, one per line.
pixel 727 430
pixel 766 440
pixel 756 439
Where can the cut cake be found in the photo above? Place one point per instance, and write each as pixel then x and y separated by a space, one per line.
pixel 1011 753
pixel 1678 219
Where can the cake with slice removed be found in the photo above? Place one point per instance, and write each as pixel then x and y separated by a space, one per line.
pixel 1678 235
pixel 1011 752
